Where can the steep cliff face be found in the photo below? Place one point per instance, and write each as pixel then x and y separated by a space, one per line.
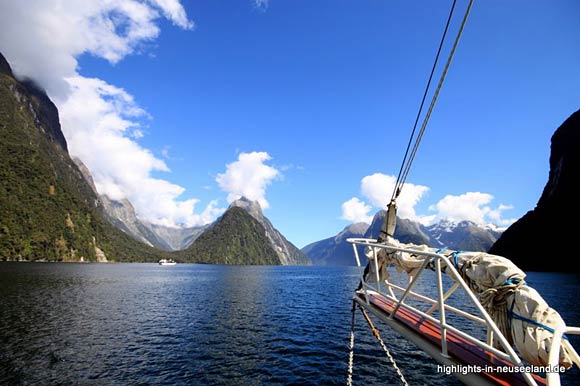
pixel 540 240
pixel 5 67
pixel 47 209
pixel 287 252
pixel 235 238
pixel 122 215
pixel 175 239
pixel 243 235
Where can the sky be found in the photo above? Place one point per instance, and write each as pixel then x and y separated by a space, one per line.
pixel 305 106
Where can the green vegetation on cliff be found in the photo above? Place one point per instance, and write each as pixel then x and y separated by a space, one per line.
pixel 235 238
pixel 47 209
pixel 50 212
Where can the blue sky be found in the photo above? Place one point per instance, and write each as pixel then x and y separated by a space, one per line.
pixel 328 89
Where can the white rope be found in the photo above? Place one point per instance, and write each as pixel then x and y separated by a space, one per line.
pixel 385 349
pixel 351 352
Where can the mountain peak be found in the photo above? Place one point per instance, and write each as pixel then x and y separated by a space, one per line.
pixel 336 250
pixel 235 238
pixel 5 67
pixel 358 228
pixel 286 251
pixel 244 225
pixel 252 207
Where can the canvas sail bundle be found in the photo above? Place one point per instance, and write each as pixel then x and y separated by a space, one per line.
pixel 519 311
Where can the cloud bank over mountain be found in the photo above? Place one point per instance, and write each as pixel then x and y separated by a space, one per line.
pixel 377 189
pixel 102 122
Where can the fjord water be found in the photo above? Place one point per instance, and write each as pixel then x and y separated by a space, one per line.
pixel 120 324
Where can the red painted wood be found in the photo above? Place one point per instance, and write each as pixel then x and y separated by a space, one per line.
pixel 457 347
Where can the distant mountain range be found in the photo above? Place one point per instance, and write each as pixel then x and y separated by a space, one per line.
pixel 335 250
pixel 50 209
pixel 121 214
pixel 463 235
pixel 234 238
pixel 242 235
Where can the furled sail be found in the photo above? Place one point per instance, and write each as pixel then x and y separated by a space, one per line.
pixel 519 311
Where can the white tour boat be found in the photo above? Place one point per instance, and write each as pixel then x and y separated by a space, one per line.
pixel 167 262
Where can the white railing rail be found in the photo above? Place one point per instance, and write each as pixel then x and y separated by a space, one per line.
pixel 553 379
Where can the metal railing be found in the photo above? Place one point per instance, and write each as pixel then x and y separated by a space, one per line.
pixel 508 353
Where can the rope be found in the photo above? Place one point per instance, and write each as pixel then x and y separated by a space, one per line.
pixel 494 300
pixel 401 181
pixel 385 349
pixel 397 188
pixel 351 352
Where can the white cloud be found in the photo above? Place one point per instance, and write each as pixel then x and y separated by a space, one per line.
pixel 42 40
pixel 261 4
pixel 45 37
pixel 471 206
pixel 137 133
pixel 248 176
pixel 173 10
pixel 165 151
pixel 355 210
pixel 495 215
pixel 378 188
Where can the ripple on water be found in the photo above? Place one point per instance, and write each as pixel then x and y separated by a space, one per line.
pixel 120 324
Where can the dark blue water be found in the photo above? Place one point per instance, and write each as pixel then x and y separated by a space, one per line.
pixel 121 324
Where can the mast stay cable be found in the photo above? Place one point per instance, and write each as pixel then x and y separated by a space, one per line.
pixel 423 100
pixel 406 164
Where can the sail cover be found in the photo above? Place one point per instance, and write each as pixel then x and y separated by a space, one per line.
pixel 519 311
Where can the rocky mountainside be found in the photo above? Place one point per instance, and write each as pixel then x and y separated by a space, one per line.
pixel 336 250
pixel 407 231
pixel 545 223
pixel 175 239
pixel 121 214
pixel 235 238
pixel 47 209
pixel 288 253
pixel 464 235
pixel 243 235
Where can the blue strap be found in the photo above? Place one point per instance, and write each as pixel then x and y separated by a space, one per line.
pixel 513 315
pixel 431 264
pixel 535 323
pixel 455 260
pixel 514 280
